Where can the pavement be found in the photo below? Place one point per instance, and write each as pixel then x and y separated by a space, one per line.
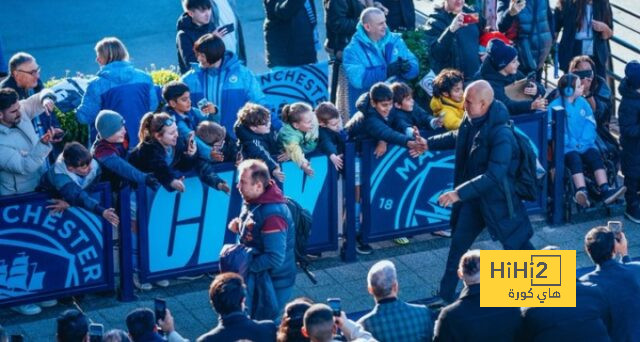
pixel 419 264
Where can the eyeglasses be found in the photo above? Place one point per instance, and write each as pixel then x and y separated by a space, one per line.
pixel 33 72
pixel 584 74
pixel 166 123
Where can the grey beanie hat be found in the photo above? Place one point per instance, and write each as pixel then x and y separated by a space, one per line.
pixel 108 123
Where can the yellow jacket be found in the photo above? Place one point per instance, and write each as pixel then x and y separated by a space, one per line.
pixel 450 111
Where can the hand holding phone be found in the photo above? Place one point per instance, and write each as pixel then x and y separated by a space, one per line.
pixel 614 226
pixel 95 332
pixel 226 29
pixel 470 18
pixel 160 306
pixel 335 305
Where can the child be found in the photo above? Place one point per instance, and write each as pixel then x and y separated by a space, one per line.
pixel 299 134
pixel 73 172
pixel 447 102
pixel 579 141
pixel 255 137
pixel 629 121
pixel 111 151
pixel 330 137
pixel 409 113
pixel 221 146
pixel 195 22
pixel 161 152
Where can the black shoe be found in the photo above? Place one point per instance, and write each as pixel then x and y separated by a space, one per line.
pixel 611 195
pixel 363 248
pixel 633 213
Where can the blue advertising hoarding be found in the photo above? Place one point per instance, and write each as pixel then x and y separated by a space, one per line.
pixel 45 255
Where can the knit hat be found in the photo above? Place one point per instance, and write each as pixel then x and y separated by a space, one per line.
pixel 500 54
pixel 486 37
pixel 108 123
pixel 632 73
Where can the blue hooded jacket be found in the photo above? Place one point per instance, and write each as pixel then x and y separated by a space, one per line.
pixel 365 62
pixel 580 126
pixel 229 87
pixel 120 87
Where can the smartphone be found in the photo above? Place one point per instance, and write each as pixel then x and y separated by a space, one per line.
pixel 95 332
pixel 470 18
pixel 615 226
pixel 16 338
pixel 59 135
pixel 160 306
pixel 335 305
pixel 229 27
pixel 192 139
pixel 203 103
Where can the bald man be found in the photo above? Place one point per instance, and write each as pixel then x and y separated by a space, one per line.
pixel 486 158
pixel 375 54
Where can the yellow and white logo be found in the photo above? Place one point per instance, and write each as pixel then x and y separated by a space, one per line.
pixel 527 278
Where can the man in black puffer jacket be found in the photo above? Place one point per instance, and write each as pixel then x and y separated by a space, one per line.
pixel 290 32
pixel 629 121
pixel 197 20
pixel 486 159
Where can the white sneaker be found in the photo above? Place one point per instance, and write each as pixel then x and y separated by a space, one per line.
pixel 162 283
pixel 27 309
pixel 141 286
pixel 48 303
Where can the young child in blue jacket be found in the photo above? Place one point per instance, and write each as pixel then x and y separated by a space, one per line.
pixel 580 142
pixel 331 136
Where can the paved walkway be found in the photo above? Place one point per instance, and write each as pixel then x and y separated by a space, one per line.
pixel 419 266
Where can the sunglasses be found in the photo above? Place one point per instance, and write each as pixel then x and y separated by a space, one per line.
pixel 584 74
pixel 166 123
pixel 33 72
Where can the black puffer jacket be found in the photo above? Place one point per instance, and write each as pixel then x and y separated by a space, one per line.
pixel 288 33
pixel 257 146
pixel 629 121
pixel 499 81
pixel 341 18
pixel 402 14
pixel 368 124
pixel 486 159
pixel 188 33
pixel 149 157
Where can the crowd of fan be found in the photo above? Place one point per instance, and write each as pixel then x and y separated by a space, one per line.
pixel 141 139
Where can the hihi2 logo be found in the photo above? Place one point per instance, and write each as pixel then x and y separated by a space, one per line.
pixel 527 278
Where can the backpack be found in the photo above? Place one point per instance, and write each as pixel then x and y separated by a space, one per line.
pixel 302 221
pixel 528 178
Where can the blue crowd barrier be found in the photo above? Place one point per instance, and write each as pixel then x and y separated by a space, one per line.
pixel 46 256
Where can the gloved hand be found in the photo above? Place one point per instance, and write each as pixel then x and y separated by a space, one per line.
pixel 152 182
pixel 395 68
pixel 405 66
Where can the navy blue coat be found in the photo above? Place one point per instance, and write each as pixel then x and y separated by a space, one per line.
pixel 485 158
pixel 629 121
pixel 589 320
pixel 288 33
pixel 237 326
pixel 621 286
pixel 402 14
pixel 341 19
pixel 257 146
pixel 535 35
pixel 149 157
pixel 368 124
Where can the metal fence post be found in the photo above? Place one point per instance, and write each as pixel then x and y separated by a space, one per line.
pixel 126 248
pixel 349 246
pixel 558 114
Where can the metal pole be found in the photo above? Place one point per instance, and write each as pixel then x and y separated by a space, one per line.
pixel 558 114
pixel 349 246
pixel 126 248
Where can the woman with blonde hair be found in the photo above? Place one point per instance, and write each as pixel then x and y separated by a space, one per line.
pixel 118 86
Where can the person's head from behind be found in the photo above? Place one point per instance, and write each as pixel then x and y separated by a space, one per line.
pixel 176 95
pixel 211 134
pixel 449 84
pixel 227 293
pixel 318 323
pixel 632 75
pixel 253 178
pixel 209 50
pixel 299 115
pixel 255 117
pixel 140 322
pixel 469 267
pixel 116 335
pixel 9 107
pixel 72 326
pixel 110 126
pixel 599 243
pixel 198 10
pixel 478 97
pixel 381 98
pixel 292 320
pixel 570 86
pixel 583 67
pixel 374 22
pixel 110 49
pixel 77 158
pixel 328 116
pixel 158 127
pixel 382 280
pixel 402 96
pixel 24 70
pixel 502 57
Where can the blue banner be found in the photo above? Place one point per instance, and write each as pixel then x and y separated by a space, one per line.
pixel 308 83
pixel 45 255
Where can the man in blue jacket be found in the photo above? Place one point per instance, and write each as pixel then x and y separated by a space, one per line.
pixel 220 78
pixel 486 159
pixel 374 55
